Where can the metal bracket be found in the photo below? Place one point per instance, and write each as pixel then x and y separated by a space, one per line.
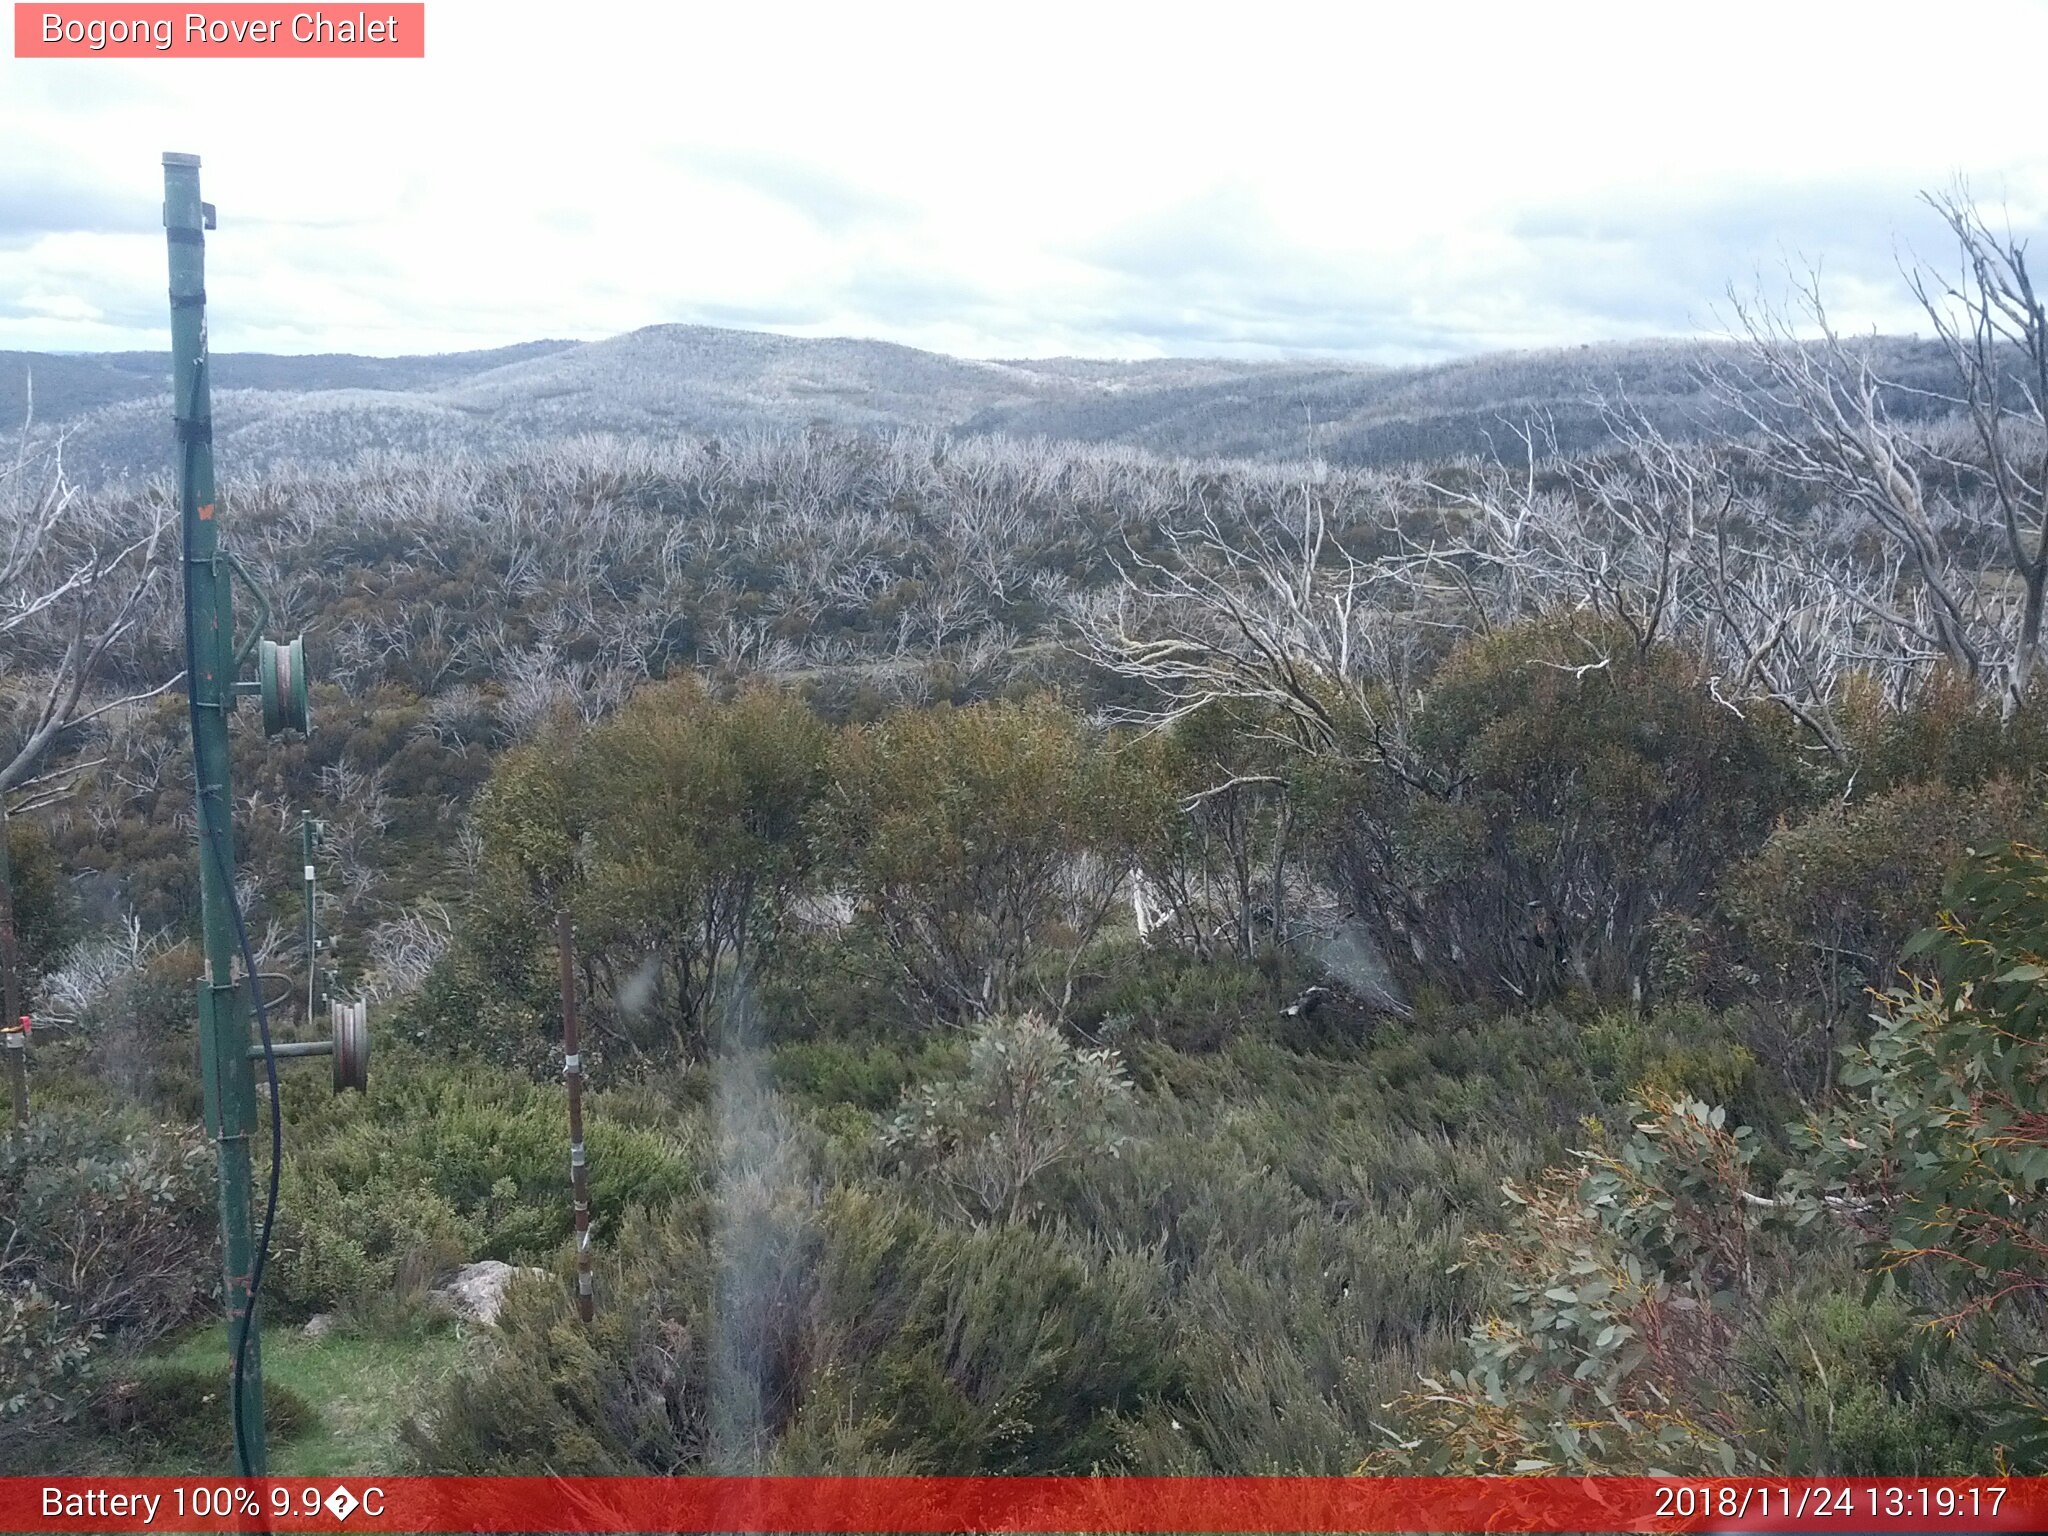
pixel 236 568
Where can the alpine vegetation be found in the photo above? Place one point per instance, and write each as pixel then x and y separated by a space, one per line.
pixel 1492 923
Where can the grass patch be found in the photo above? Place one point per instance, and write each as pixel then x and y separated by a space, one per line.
pixel 360 1391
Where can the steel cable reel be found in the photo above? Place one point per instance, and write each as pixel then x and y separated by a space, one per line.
pixel 281 678
pixel 351 1042
pixel 348 1043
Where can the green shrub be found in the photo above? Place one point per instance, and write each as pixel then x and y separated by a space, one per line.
pixel 1629 1283
pixel 1219 830
pixel 48 1352
pixel 830 982
pixel 341 1245
pixel 986 847
pixel 494 994
pixel 139 1035
pixel 1027 1104
pixel 112 1216
pixel 179 1415
pixel 870 1076
pixel 1941 1141
pixel 107 1242
pixel 1177 999
pixel 1827 905
pixel 1560 791
pixel 442 1162
pixel 1680 1052
pixel 990 1350
pixel 1951 732
pixel 774 1334
pixel 1854 1390
pixel 677 833
pixel 1303 1223
pixel 45 908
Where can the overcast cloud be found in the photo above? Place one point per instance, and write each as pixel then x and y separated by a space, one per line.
pixel 1362 180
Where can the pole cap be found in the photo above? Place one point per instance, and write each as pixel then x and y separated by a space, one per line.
pixel 171 157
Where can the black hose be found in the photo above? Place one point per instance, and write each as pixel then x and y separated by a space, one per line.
pixel 276 1157
pixel 210 828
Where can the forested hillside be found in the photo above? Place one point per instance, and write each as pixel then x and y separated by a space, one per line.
pixel 316 412
pixel 1093 958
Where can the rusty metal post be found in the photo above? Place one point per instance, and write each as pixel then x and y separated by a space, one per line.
pixel 572 1074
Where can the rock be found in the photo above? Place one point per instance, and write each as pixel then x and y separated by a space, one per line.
pixel 1307 1003
pixel 478 1290
pixel 319 1325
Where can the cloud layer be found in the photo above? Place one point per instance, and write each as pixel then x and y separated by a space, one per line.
pixel 1109 181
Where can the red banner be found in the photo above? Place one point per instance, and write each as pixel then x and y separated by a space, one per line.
pixel 227 31
pixel 1024 1504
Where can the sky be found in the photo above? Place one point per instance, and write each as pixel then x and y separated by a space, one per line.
pixel 1390 183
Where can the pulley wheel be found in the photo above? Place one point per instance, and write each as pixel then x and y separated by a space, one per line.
pixel 351 1046
pixel 281 679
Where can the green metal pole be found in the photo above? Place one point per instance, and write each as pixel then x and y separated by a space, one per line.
pixel 227 1075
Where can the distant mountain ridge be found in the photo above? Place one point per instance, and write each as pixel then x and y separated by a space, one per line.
pixel 665 379
pixel 72 384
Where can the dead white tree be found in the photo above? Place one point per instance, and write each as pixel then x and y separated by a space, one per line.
pixel 1270 611
pixel 405 949
pixel 1992 324
pixel 1965 515
pixel 74 577
pixel 1659 540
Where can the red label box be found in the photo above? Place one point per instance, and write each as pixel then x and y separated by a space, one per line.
pixel 228 31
